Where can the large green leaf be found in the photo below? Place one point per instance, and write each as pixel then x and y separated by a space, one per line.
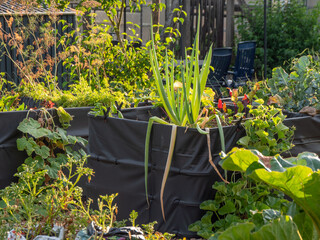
pixel 300 183
pixel 239 160
pixel 210 205
pixel 33 127
pixel 305 226
pixel 283 228
pixel 42 151
pixel 64 117
pixel 26 144
pixel 308 159
pixel 298 177
pixel 229 207
pixel 241 231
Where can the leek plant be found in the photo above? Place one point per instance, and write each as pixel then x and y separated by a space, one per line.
pixel 180 99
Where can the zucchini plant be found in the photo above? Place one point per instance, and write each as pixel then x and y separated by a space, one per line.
pixel 297 177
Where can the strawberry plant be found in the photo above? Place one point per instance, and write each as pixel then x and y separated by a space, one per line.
pixel 265 131
pixel 237 202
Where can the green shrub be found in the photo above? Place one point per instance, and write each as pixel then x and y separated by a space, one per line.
pixel 291 28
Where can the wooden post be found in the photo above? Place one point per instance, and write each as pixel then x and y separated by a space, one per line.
pixel 220 17
pixel 156 15
pixel 230 24
pixel 186 27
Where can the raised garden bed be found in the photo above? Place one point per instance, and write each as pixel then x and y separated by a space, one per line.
pixel 116 148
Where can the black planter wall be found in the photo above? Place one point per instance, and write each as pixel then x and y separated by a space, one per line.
pixel 116 147
pixel 307 134
pixel 10 157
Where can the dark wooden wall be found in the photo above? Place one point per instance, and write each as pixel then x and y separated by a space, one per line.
pixel 217 23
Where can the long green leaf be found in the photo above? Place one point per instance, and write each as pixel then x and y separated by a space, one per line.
pixel 221 133
pixel 185 104
pixel 146 151
pixel 159 84
pixel 167 168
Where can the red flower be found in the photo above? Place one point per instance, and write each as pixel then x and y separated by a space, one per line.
pixel 220 104
pixel 245 100
pixel 50 104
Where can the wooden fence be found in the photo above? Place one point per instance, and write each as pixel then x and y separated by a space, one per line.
pixel 217 23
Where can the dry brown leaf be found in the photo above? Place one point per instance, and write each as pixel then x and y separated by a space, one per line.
pixel 309 110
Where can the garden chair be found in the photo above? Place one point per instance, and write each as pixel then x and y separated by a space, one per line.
pixel 221 58
pixel 243 68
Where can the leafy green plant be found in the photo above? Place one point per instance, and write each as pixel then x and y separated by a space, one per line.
pixel 78 95
pixel 47 191
pixel 297 177
pixel 291 28
pixel 279 228
pixel 265 131
pixel 46 144
pixel 11 103
pixel 9 100
pixel 94 58
pixel 122 64
pixel 300 87
pixel 234 203
pixel 102 110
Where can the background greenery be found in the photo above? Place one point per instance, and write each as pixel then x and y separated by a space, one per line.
pixel 291 28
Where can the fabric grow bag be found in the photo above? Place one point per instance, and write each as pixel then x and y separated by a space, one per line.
pixel 10 157
pixel 306 135
pixel 116 148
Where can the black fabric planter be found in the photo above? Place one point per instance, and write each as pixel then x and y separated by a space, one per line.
pixel 307 134
pixel 10 157
pixel 116 147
